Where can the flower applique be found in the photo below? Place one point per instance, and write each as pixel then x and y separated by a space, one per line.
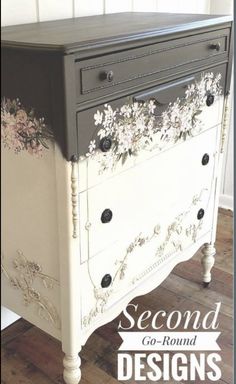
pixel 134 126
pixel 21 130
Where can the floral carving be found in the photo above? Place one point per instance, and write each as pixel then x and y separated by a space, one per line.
pixel 134 126
pixel 26 273
pixel 176 231
pixel 101 297
pixel 22 130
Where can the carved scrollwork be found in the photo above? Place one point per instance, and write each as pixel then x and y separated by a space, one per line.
pixel 225 123
pixel 26 274
pixel 102 297
pixel 176 233
pixel 74 195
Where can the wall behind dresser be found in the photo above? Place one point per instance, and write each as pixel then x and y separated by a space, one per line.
pixel 29 11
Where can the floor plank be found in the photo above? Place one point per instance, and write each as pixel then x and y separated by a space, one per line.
pixel 29 356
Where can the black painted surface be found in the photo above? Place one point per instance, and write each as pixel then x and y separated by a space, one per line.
pixel 65 66
pixel 106 216
pixel 162 93
pixel 205 159
pixel 72 34
pixel 106 281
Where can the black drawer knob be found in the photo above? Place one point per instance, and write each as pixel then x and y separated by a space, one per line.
pixel 205 159
pixel 106 216
pixel 210 99
pixel 105 144
pixel 200 214
pixel 106 281
pixel 108 76
pixel 215 47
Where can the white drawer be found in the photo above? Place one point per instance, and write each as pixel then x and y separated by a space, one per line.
pixel 128 262
pixel 149 190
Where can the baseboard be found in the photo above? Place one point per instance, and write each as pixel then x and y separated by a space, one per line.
pixel 226 202
pixel 7 317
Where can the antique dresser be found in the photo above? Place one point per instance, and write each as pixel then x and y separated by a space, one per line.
pixel 113 129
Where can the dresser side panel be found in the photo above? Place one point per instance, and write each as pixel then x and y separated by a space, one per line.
pixel 30 264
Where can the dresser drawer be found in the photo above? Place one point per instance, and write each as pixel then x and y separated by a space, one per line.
pixel 112 73
pixel 149 190
pixel 165 94
pixel 118 269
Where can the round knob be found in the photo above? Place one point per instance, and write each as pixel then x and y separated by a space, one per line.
pixel 108 75
pixel 200 214
pixel 205 159
pixel 106 281
pixel 105 144
pixel 106 216
pixel 216 47
pixel 210 99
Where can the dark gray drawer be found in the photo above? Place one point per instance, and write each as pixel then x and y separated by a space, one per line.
pixel 114 73
pixel 163 94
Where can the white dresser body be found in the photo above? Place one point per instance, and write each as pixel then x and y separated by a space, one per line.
pixel 80 241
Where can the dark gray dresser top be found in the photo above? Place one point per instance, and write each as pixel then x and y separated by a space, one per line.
pixel 70 68
pixel 71 35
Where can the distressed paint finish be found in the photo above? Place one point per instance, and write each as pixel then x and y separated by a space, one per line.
pixel 14 12
pixel 52 198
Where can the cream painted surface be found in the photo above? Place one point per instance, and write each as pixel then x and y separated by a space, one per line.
pixel 165 212
pixel 160 176
pixel 71 279
pixel 150 280
pixel 29 225
pixel 52 198
pixel 71 273
pixel 90 168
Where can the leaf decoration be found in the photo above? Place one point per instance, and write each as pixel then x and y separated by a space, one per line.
pixel 136 125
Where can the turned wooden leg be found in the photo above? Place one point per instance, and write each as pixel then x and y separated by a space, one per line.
pixel 72 372
pixel 208 260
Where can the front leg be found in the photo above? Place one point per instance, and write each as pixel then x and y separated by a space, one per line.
pixel 208 260
pixel 72 372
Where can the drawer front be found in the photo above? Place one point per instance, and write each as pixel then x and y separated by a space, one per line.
pixel 139 197
pixel 164 94
pixel 113 73
pixel 117 270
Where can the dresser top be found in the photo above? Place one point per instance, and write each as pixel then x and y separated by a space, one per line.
pixel 71 35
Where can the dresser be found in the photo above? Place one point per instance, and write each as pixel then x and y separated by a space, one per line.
pixel 113 130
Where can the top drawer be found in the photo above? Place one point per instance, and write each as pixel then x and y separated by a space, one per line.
pixel 116 72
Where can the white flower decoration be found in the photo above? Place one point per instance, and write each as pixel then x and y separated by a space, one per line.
pixel 134 127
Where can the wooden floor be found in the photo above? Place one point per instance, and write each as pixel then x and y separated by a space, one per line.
pixel 29 356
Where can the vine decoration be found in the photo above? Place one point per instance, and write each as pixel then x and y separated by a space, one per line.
pixel 176 232
pixel 135 126
pixel 21 130
pixel 26 274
